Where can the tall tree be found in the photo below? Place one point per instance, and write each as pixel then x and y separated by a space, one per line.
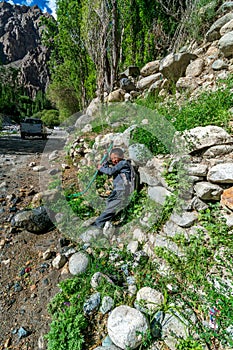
pixel 73 73
pixel 100 31
pixel 102 36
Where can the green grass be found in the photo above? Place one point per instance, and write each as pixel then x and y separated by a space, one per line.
pixel 209 108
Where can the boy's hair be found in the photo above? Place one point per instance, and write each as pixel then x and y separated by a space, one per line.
pixel 117 151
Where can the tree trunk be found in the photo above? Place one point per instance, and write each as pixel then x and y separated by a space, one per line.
pixel 115 44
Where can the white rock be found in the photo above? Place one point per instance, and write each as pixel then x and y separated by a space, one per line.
pixel 99 277
pixel 221 173
pixel 196 169
pixel 228 27
pixel 47 254
pixel 87 128
pixel 3 184
pixel 219 150
pixel 32 164
pixel 226 44
pixel 195 68
pixel 173 327
pixel 139 235
pixel 186 219
pixel 54 155
pixel 132 246
pixel 158 194
pixel 90 235
pixel 164 242
pixel 208 191
pixel 148 81
pixel 199 138
pixel 59 261
pixel 139 153
pixel 126 326
pixel 78 263
pixel 149 298
pixel 150 68
pixel 39 168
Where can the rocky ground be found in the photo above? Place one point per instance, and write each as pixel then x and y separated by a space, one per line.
pixel 27 282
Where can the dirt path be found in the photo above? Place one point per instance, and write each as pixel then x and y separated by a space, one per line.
pixel 27 282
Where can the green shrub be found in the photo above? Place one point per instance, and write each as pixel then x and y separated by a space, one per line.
pixel 66 331
pixel 209 108
pixel 141 135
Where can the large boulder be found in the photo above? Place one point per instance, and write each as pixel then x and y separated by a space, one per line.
pixel 116 96
pixel 150 68
pixel 150 299
pixel 36 220
pixel 208 191
pixel 195 68
pixel 214 31
pixel 148 81
pixel 126 326
pixel 174 66
pixel 228 27
pixel 226 44
pixel 226 7
pixel 221 173
pixel 199 138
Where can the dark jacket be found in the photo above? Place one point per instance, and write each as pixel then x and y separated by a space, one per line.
pixel 123 167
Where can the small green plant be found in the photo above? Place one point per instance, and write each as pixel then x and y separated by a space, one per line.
pixel 164 212
pixel 54 184
pixel 143 136
pixel 66 330
pixel 81 208
pixel 135 207
pixel 147 339
pixel 188 344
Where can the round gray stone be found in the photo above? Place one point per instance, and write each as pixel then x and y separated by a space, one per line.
pixel 78 263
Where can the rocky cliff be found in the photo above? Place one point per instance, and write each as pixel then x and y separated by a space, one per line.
pixel 21 47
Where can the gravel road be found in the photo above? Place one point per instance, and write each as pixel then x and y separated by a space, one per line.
pixel 24 295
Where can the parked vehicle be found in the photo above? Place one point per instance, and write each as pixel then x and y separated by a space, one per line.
pixel 33 127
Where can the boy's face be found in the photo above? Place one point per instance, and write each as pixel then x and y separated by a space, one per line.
pixel 115 158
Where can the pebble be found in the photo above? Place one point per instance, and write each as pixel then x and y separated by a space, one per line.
pixel 133 246
pixel 39 168
pixel 45 282
pixel 22 333
pixel 59 261
pixel 33 287
pixel 18 287
pixel 47 254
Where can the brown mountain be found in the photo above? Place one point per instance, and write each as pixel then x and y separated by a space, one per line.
pixel 21 47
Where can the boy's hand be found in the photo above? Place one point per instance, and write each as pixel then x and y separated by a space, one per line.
pixel 99 166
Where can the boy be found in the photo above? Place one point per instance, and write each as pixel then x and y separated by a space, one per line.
pixel 117 200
